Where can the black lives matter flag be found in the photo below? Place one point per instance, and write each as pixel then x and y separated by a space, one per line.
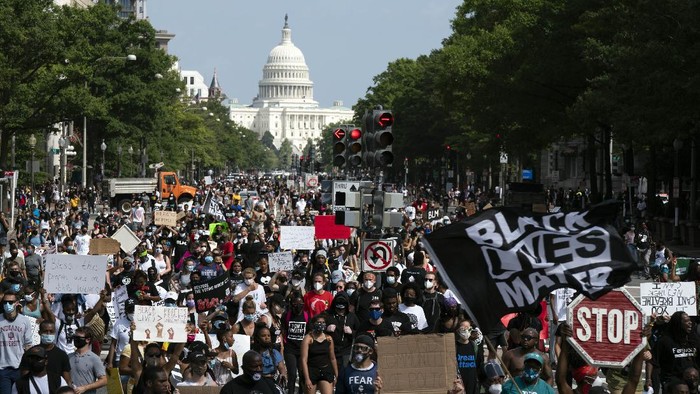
pixel 501 261
pixel 213 207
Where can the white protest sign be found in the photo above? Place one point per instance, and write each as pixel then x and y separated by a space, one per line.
pixel 282 261
pixel 75 274
pixel 34 328
pixel 241 345
pixel 160 324
pixel 208 180
pixel 297 237
pixel 119 297
pixel 127 239
pixel 667 298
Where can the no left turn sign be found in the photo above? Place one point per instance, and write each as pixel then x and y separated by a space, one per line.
pixel 377 255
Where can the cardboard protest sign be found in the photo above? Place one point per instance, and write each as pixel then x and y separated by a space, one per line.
pixel 297 237
pixel 75 274
pixel 104 246
pixel 165 218
pixel 127 239
pixel 160 324
pixel 327 229
pixel 199 389
pixel 207 295
pixel 432 214
pixel 282 261
pixel 471 208
pixel 667 298
pixel 417 363
pixel 114 384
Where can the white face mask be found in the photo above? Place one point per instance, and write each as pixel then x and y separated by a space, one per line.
pixel 429 284
pixel 248 282
pixel 318 286
pixel 495 389
pixel 296 282
pixel 368 284
pixel 598 382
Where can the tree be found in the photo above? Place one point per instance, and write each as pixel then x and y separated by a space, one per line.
pixel 285 154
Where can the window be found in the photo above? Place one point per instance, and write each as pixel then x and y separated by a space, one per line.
pixel 169 179
pixel 191 80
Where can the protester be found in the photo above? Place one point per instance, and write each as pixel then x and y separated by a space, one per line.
pixel 15 337
pixel 39 378
pixel 86 369
pixel 361 375
pixel 251 380
pixel 529 379
pixel 317 359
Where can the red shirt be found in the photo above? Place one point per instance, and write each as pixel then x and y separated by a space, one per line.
pixel 315 303
pixel 227 248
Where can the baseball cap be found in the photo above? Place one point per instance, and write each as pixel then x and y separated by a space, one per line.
pixel 534 357
pixel 171 296
pixel 321 252
pixel 493 370
pixel 36 351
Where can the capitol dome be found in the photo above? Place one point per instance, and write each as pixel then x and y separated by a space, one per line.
pixel 285 81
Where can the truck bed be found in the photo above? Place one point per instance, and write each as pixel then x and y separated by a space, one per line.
pixel 118 186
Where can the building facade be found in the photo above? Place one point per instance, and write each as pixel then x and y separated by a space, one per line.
pixel 285 104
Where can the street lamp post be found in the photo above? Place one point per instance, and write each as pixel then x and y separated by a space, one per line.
pixel 677 146
pixel 119 161
pixel 63 143
pixel 32 144
pixel 103 147
pixel 131 155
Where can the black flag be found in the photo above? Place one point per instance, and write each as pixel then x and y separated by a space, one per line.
pixel 502 262
pixel 212 206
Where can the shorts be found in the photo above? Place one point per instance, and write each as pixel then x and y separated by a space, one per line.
pixel 498 339
pixel 323 373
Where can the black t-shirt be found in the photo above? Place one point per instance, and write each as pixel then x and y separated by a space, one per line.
pixel 57 361
pixel 401 323
pixel 674 358
pixel 384 329
pixel 295 327
pixel 149 288
pixel 243 384
pixel 361 299
pixel 414 275
pixel 432 307
pixel 470 359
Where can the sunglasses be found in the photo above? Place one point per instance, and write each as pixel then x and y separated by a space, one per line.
pixel 375 309
pixel 154 355
pixel 528 338
pixel 361 348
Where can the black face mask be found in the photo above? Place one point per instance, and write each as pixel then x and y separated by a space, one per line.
pixel 37 366
pixel 79 342
pixel 409 301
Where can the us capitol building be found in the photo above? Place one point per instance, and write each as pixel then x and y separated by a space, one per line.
pixel 285 103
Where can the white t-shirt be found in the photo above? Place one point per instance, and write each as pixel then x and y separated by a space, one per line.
pixel 82 244
pixel 120 333
pixel 258 296
pixel 41 382
pixel 410 212
pixel 416 315
pixel 139 214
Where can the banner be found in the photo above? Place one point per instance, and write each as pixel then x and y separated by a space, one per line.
pixel 75 274
pixel 327 229
pixel 297 237
pixel 667 298
pixel 213 207
pixel 514 261
pixel 207 295
pixel 160 324
pixel 282 261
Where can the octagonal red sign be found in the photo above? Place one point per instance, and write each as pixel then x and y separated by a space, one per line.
pixel 607 331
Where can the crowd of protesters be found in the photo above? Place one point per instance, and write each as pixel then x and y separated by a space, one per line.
pixel 313 328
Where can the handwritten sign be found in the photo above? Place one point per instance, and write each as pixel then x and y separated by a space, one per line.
pixel 127 239
pixel 119 297
pixel 104 246
pixel 34 328
pixel 667 298
pixel 75 274
pixel 160 324
pixel 209 294
pixel 165 218
pixel 297 237
pixel 282 261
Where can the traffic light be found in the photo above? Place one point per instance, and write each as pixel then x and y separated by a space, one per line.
pixel 379 138
pixel 354 147
pixel 339 146
pixel 302 164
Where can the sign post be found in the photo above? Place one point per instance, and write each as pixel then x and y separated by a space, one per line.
pixel 377 254
pixel 607 331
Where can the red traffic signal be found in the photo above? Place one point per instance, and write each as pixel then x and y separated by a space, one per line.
pixel 339 134
pixel 384 119
pixel 355 134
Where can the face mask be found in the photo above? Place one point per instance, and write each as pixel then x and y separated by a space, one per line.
pixel 37 366
pixel 212 363
pixel 29 298
pixel 190 338
pixel 359 357
pixel 226 346
pixel 318 286
pixel 15 287
pixel 409 301
pixel 248 282
pixel 69 248
pixel 375 315
pixel 8 307
pixel 69 319
pixel 130 316
pixel 296 282
pixel 319 327
pixel 47 338
pixel 390 280
pixel 209 259
pixel 256 376
pixel 429 284
pixel 495 389
pixel 189 303
pixel 350 291
pixel 159 250
pixel 368 284
pixel 170 305
pixel 29 251
pixel 152 278
pixel 249 317
pixel 530 375
pixel 14 274
pixel 79 342
pixel 464 333
pixel 190 268
pixel 127 267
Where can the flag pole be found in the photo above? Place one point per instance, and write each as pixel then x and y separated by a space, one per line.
pixel 500 361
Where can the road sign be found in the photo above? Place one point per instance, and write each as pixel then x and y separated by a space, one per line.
pixel 311 180
pixel 504 158
pixel 343 186
pixel 607 331
pixel 377 255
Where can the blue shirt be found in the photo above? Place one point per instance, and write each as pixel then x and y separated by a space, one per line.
pixel 540 387
pixel 270 361
pixel 353 380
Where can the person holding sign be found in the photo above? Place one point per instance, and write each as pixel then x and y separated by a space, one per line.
pixel 361 375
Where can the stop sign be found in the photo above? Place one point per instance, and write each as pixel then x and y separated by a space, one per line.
pixel 607 331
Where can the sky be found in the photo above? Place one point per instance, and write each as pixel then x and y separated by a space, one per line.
pixel 345 43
